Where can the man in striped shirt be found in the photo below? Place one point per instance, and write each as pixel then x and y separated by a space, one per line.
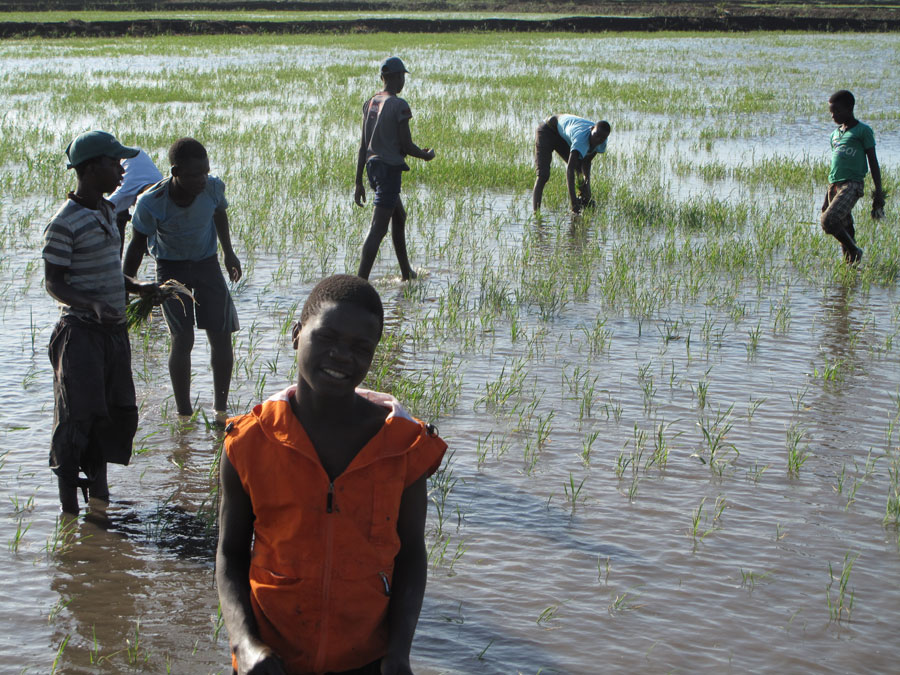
pixel 95 416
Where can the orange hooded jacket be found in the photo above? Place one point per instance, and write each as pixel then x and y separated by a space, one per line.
pixel 323 553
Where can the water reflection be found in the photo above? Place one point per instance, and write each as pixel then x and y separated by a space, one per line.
pixel 120 604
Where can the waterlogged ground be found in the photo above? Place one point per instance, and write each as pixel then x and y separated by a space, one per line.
pixel 672 421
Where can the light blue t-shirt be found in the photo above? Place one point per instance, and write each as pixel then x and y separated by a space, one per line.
pixel 180 232
pixel 576 131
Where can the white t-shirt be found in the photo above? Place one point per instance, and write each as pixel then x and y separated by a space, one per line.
pixel 140 171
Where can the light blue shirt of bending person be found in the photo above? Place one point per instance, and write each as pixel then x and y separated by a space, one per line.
pixel 180 232
pixel 576 131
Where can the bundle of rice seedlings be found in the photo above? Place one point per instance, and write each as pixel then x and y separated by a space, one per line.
pixel 138 310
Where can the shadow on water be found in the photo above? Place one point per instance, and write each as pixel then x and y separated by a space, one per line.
pixel 172 528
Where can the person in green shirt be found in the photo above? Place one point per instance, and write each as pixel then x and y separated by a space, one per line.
pixel 852 156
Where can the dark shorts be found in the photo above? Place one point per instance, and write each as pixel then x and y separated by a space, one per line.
pixel 95 414
pixel 547 141
pixel 385 180
pixel 214 309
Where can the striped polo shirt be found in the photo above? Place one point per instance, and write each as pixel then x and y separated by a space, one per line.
pixel 86 242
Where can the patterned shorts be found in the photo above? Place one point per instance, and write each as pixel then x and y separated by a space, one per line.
pixel 839 202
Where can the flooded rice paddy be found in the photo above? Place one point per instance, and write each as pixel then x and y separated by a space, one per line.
pixel 672 421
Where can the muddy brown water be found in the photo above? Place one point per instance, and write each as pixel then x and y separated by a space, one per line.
pixel 530 581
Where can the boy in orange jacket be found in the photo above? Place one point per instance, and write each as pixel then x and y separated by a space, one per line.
pixel 321 561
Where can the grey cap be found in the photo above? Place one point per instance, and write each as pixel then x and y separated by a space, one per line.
pixel 393 64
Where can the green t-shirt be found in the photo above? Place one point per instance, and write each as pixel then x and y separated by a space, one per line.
pixel 848 153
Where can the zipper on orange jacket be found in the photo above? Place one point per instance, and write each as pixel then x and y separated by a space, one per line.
pixel 326 582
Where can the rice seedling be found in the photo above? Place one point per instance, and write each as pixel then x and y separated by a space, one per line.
pixel 572 491
pixel 441 483
pixel 753 340
pixel 94 650
pixel 719 454
pixel 749 579
pixel 704 525
pixel 702 391
pixel 839 602
pixel 549 614
pixel 597 336
pixel 587 446
pixel 892 506
pixel 753 406
pixel 481 654
pixel 797 453
pixel 18 535
pixel 797 399
pixel 780 532
pixel 57 608
pixel 59 652
pixel 623 602
pixel 21 507
pixel 461 548
pixel 660 456
pixel 831 371
pixel 756 472
pixel 138 310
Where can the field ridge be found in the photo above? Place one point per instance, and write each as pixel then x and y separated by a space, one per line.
pixel 574 24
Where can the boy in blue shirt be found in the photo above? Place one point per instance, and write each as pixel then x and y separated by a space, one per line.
pixel 577 141
pixel 182 219
pixel 852 148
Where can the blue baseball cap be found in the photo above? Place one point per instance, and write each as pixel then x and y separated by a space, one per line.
pixel 393 64
pixel 92 144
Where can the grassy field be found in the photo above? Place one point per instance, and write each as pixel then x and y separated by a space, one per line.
pixel 640 400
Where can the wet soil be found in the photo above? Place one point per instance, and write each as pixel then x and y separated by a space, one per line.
pixel 580 17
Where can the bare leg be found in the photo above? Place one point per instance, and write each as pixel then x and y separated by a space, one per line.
pixel 99 489
pixel 398 236
pixel 68 496
pixel 180 370
pixel 222 361
pixel 380 219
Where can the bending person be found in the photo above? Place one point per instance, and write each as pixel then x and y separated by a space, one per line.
pixel 577 141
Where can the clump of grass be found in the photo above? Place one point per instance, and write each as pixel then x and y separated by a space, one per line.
pixel 138 310
pixel 797 454
pixel 840 602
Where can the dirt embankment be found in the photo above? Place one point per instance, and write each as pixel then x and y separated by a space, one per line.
pixel 579 17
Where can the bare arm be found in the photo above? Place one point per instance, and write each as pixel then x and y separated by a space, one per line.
pixel 223 231
pixel 233 576
pixel 573 169
pixel 875 169
pixel 586 182
pixel 878 197
pixel 359 195
pixel 410 573
pixel 134 254
pixel 409 148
